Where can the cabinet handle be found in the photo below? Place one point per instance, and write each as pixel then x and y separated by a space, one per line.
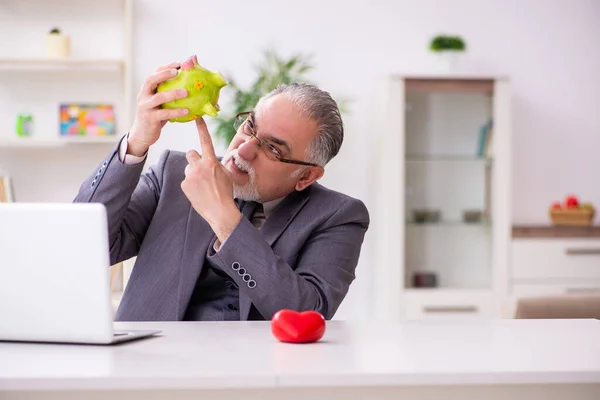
pixel 450 309
pixel 582 251
pixel 583 290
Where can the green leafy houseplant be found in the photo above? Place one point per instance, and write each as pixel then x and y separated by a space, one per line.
pixel 447 43
pixel 272 72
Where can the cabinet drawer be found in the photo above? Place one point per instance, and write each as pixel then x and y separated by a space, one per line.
pixel 449 305
pixel 533 290
pixel 555 258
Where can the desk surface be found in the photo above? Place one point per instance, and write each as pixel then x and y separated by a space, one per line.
pixel 245 355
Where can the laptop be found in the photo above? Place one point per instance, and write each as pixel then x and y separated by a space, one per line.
pixel 54 275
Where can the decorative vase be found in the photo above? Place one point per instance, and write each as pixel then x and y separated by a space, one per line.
pixel 58 45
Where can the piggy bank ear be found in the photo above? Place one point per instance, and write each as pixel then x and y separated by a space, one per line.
pixel 189 63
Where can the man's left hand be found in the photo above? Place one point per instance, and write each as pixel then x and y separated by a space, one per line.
pixel 208 187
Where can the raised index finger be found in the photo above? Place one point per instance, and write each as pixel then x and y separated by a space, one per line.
pixel 206 145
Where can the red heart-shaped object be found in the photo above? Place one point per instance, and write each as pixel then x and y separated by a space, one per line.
pixel 297 327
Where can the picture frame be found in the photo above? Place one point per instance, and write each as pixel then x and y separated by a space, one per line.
pixel 87 119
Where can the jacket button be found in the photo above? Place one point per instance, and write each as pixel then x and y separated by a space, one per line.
pixel 241 271
pixel 246 277
pixel 235 265
pixel 251 283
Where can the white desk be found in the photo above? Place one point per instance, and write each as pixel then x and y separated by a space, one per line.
pixel 515 359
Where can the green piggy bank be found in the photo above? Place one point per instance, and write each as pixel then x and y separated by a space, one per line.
pixel 203 88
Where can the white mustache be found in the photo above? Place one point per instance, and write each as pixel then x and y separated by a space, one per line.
pixel 239 162
pixel 242 164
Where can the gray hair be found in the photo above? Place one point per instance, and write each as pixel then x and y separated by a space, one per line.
pixel 319 106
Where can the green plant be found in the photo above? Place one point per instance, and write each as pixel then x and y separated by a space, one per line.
pixel 273 71
pixel 55 31
pixel 445 42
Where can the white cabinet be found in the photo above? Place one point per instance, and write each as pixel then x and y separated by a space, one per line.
pixel 47 166
pixel 534 259
pixel 443 222
pixel 555 261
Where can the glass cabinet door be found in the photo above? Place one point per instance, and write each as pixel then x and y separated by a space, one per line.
pixel 448 166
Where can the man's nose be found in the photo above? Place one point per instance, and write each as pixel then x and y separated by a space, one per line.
pixel 248 149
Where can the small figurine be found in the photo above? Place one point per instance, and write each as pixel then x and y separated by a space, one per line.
pixel 24 125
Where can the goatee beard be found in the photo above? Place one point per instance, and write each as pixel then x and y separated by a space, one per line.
pixel 248 191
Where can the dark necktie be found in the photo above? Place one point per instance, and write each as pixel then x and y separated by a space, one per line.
pixel 254 212
pixel 248 208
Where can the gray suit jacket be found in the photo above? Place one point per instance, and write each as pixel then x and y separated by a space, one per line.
pixel 303 258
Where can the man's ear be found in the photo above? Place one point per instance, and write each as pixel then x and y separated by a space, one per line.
pixel 308 176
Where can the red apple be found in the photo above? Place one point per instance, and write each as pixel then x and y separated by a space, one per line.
pixel 571 202
pixel 297 327
pixel 556 206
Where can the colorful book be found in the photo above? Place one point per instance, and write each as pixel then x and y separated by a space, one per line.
pixel 6 190
pixel 484 143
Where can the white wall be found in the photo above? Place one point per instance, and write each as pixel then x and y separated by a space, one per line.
pixel 550 48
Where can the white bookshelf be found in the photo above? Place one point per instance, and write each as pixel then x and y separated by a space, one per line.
pixel 98 71
pixel 430 161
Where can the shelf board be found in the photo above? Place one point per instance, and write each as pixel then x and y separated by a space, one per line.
pixel 28 142
pixel 59 64
pixel 450 85
pixel 446 157
pixel 551 231
pixel 449 291
pixel 450 76
pixel 449 224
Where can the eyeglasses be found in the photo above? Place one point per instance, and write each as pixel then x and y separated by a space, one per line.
pixel 245 120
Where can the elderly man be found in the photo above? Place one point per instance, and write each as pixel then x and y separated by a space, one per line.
pixel 236 239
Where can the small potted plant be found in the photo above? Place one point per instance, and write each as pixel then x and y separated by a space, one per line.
pixel 449 48
pixel 58 44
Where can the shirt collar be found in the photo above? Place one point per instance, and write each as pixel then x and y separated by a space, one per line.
pixel 269 206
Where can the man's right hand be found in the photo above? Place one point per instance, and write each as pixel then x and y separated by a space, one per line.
pixel 150 118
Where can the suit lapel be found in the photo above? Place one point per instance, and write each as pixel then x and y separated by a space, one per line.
pixel 282 215
pixel 273 227
pixel 197 238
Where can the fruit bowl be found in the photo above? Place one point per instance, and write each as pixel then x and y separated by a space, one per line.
pixel 572 212
pixel 572 216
